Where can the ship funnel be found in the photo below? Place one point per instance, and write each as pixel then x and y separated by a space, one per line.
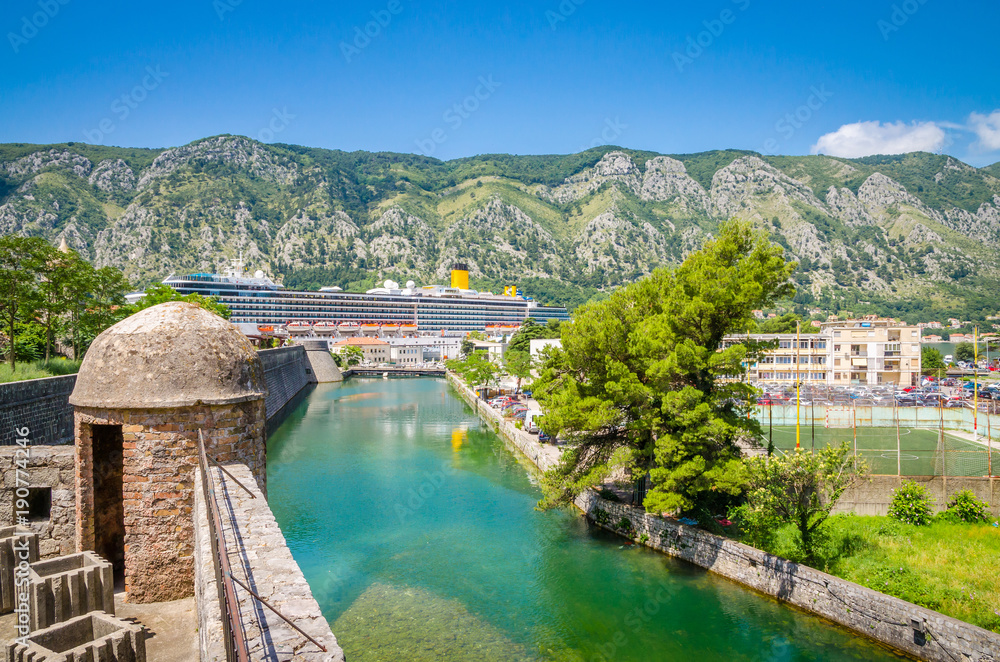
pixel 460 275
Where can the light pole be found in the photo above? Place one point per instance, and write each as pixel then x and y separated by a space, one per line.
pixel 798 383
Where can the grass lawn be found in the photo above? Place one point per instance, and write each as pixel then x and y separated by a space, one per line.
pixel 37 369
pixel 947 567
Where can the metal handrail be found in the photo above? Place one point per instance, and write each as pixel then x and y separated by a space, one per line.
pixel 232 629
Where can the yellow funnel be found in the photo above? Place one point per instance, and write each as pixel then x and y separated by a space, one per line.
pixel 460 276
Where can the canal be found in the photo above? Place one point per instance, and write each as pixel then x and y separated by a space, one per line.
pixel 417 531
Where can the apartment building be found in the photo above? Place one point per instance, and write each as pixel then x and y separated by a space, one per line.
pixel 874 351
pixel 867 351
pixel 807 358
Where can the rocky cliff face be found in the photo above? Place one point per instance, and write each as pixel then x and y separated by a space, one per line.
pixel 596 220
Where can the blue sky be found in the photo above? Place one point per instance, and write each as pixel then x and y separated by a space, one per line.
pixel 458 79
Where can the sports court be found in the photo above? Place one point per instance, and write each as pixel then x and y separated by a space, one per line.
pixel 926 450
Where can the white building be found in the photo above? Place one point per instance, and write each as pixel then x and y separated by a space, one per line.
pixel 537 345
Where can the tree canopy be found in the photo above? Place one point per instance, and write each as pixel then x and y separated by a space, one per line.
pixel 157 294
pixel 635 385
pixel 532 330
pixel 785 324
pixel 931 360
pixel 799 488
pixel 964 351
pixel 48 295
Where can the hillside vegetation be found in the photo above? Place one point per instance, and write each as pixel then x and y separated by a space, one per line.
pixel 912 235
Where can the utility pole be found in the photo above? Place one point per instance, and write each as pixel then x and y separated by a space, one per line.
pixel 895 416
pixel 798 383
pixel 975 384
pixel 770 428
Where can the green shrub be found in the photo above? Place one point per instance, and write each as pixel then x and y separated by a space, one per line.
pixel 600 515
pixel 965 507
pixel 911 504
pixel 608 495
pixel 625 526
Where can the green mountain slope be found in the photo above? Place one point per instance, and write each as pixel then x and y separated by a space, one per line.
pixel 915 233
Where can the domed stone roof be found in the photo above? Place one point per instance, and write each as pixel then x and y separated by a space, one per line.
pixel 174 354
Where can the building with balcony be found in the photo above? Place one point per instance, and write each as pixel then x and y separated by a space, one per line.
pixel 871 352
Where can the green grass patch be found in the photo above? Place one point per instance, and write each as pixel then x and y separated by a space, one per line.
pixel 38 370
pixel 945 566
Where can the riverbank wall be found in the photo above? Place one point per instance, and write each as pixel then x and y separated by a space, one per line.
pixel 917 631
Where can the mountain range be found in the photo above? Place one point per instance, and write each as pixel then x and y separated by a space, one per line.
pixel 913 234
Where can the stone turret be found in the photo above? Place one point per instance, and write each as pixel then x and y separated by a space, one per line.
pixel 146 387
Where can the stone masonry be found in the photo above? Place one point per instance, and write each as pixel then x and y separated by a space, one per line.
pixel 41 406
pixel 160 455
pixel 285 375
pixel 49 467
pixel 146 388
pixel 260 558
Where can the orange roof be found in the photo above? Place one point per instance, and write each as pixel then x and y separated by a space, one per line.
pixel 361 341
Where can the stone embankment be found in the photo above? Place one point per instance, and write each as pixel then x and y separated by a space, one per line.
pixel 923 633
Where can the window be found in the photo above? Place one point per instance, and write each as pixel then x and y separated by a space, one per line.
pixel 39 504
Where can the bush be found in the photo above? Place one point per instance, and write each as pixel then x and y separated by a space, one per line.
pixel 965 507
pixel 625 526
pixel 911 504
pixel 600 515
pixel 608 495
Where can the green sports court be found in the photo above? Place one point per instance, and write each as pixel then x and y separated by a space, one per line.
pixel 921 451
pixel 931 441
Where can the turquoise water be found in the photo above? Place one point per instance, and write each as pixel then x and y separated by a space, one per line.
pixel 417 532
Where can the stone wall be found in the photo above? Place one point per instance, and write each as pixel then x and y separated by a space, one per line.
pixel 872 496
pixel 921 632
pixel 322 368
pixel 261 559
pixel 52 467
pixel 41 405
pixel 160 455
pixel 286 371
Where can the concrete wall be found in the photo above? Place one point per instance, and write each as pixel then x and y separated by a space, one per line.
pixel 42 406
pixel 261 559
pixel 872 496
pixel 286 371
pixel 921 632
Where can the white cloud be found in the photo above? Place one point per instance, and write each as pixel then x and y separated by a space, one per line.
pixel 867 138
pixel 987 128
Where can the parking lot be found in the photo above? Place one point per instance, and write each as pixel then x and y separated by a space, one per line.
pixel 949 393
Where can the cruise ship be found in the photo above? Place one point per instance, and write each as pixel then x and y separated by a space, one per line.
pixel 388 310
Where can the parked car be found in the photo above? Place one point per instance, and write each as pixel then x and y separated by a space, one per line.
pixel 543 437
